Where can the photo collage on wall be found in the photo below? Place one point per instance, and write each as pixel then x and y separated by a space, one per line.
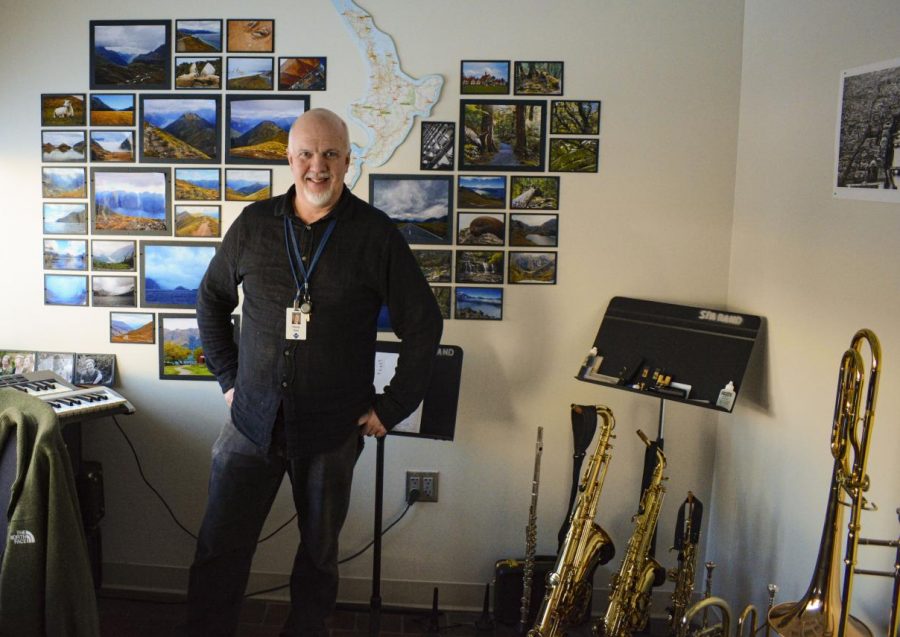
pixel 506 223
pixel 181 116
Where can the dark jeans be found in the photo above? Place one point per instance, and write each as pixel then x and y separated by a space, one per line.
pixel 242 486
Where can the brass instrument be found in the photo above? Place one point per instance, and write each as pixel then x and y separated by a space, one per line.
pixel 586 545
pixel 825 610
pixel 629 598
pixel 772 588
pixel 708 591
pixel 531 535
pixel 683 576
pixel 750 613
pixel 704 605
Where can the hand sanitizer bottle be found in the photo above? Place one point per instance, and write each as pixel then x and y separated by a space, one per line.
pixel 726 397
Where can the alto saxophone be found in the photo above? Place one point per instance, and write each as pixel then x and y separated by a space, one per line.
pixel 629 598
pixel 586 545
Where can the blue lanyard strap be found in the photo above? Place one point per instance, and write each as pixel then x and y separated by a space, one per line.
pixel 294 256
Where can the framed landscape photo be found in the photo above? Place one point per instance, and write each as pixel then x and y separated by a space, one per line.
pixel 473 191
pixel 248 184
pixel 132 201
pixel 479 303
pixel 112 109
pixel 245 73
pixel 198 184
pixel 436 264
pixel 198 72
pixel 131 54
pixel 60 363
pixel 171 272
pixel 132 327
pixel 481 228
pixel 65 218
pixel 198 221
pixel 65 254
pixel 63 109
pixel 442 294
pixel 65 289
pixel 572 155
pixel 251 36
pixel 63 183
pixel 575 117
pixel 258 127
pixel 532 267
pixel 531 230
pixel 180 129
pixel 198 36
pixel 538 78
pixel 438 145
pixel 302 73
pixel 502 135
pixel 180 350
pixel 484 77
pixel 420 205
pixel 113 255
pixel 63 145
pixel 112 145
pixel 479 266
pixel 113 291
pixel 95 369
pixel 533 193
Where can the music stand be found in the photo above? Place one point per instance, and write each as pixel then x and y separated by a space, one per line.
pixel 436 420
pixel 701 349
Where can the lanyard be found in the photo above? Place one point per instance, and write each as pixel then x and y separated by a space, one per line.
pixel 290 241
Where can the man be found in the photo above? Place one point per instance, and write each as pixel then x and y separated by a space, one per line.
pixel 88 374
pixel 301 395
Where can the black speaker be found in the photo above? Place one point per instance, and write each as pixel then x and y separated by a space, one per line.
pixel 509 579
pixel 89 484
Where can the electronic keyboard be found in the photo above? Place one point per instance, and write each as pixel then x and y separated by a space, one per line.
pixel 68 401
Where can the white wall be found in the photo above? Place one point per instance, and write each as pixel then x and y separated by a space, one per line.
pixel 654 223
pixel 819 268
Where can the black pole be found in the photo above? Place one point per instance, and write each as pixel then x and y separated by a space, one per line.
pixel 375 602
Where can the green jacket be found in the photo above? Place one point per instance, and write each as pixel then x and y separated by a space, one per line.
pixel 46 589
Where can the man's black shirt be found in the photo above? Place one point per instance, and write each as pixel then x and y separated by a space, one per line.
pixel 324 383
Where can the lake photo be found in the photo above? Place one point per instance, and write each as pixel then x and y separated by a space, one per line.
pixel 114 291
pixel 481 192
pixel 65 254
pixel 65 289
pixel 533 230
pixel 419 206
pixel 62 145
pixel 198 36
pixel 479 303
pixel 131 201
pixel 65 218
pixel 172 272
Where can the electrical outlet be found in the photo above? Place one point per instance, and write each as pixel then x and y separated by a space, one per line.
pixel 426 482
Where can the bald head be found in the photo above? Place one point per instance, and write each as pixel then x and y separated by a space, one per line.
pixel 320 121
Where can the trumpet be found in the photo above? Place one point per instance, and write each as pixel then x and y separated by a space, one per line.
pixel 825 610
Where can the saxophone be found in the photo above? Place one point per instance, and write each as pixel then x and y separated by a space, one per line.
pixel 629 598
pixel 586 545
pixel 684 575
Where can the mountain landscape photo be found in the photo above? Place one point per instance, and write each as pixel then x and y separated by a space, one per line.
pixel 130 201
pixel 197 221
pixel 129 56
pixel 112 110
pixel 199 184
pixel 258 128
pixel 175 129
pixel 131 328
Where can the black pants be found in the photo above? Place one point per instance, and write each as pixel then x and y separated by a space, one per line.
pixel 242 486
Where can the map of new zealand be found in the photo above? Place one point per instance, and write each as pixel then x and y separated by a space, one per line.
pixel 392 100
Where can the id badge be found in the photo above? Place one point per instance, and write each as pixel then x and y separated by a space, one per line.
pixel 295 324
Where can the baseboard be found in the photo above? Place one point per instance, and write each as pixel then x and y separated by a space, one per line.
pixel 168 581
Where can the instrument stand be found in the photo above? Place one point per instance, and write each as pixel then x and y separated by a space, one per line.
pixel 375 601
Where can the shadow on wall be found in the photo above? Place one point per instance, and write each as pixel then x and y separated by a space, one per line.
pixel 755 391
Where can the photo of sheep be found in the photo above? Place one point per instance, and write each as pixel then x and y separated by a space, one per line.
pixel 198 72
pixel 63 109
pixel 112 109
pixel 198 184
pixel 130 54
pixel 180 128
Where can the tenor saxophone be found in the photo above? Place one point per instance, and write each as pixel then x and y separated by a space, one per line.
pixel 586 545
pixel 684 576
pixel 629 598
